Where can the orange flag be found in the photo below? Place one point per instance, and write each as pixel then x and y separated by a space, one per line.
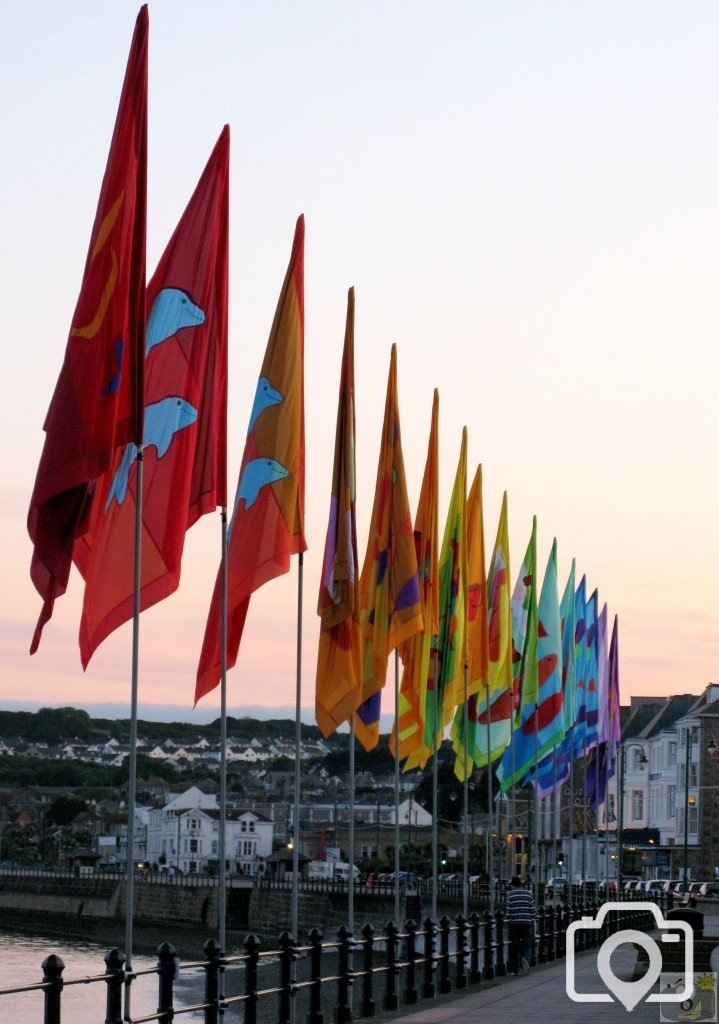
pixel 418 661
pixel 339 658
pixel 267 525
pixel 389 588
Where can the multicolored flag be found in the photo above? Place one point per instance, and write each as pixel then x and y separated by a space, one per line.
pixel 493 707
pixel 339 658
pixel 185 421
pixel 553 770
pixel 267 525
pixel 418 653
pixel 579 727
pixel 477 630
pixel 452 643
pixel 614 727
pixel 542 724
pixel 591 673
pixel 597 761
pixel 519 755
pixel 97 406
pixel 389 587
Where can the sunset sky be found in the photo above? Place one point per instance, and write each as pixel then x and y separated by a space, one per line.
pixel 525 199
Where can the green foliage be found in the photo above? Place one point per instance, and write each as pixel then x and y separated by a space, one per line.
pixel 64 809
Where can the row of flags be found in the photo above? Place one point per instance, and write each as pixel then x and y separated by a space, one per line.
pixel 519 679
pixel 145 377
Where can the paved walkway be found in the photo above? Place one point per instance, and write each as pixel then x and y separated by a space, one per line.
pixel 540 997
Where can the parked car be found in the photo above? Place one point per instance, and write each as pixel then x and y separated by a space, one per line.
pixel 611 889
pixel 653 887
pixel 709 890
pixel 691 893
pixel 632 884
pixel 556 887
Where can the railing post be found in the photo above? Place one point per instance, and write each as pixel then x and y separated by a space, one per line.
pixel 343 1011
pixel 410 989
pixel 488 947
pixel 52 968
pixel 213 956
pixel 368 1006
pixel 390 994
pixel 166 979
pixel 542 936
pixel 581 933
pixel 475 975
pixel 460 978
pixel 114 965
pixel 285 986
pixel 430 934
pixel 252 949
pixel 550 919
pixel 315 1015
pixel 445 984
pixel 499 931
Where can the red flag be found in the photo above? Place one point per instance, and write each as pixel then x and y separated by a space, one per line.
pixel 98 404
pixel 185 421
pixel 267 524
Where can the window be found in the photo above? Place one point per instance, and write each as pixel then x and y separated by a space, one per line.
pixel 672 802
pixel 672 754
pixel 693 820
pixel 637 755
pixel 611 813
pixel 243 825
pixel 193 846
pixel 251 825
pixel 693 774
pixel 637 804
pixel 247 848
pixel 214 846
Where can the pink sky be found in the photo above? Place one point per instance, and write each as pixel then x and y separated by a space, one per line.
pixel 525 201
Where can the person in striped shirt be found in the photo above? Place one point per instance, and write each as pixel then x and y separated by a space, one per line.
pixel 521 913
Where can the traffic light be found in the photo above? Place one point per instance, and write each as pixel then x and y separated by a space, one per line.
pixel 560 860
pixel 443 857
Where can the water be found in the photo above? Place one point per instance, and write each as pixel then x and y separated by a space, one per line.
pixel 21 958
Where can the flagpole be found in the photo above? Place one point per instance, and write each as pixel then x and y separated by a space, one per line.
pixel 584 834
pixel 351 858
pixel 396 789
pixel 221 844
pixel 571 858
pixel 514 804
pixel 490 840
pixel 556 815
pixel 298 755
pixel 465 788
pixel 435 789
pixel 132 779
pixel 535 850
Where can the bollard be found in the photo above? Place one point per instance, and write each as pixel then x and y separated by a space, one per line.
pixel 390 992
pixel 213 956
pixel 410 990
pixel 315 1014
pixel 501 968
pixel 52 968
pixel 488 947
pixel 444 983
pixel 541 956
pixel 475 975
pixel 368 1005
pixel 430 941
pixel 460 979
pixel 343 1010
pixel 166 969
pixel 114 965
pixel 550 918
pixel 252 951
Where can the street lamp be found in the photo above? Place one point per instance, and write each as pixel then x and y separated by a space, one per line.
pixel 620 796
pixel 690 801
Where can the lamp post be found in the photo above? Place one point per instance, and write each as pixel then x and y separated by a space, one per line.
pixel 620 797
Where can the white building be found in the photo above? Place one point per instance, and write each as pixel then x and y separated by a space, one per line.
pixel 184 836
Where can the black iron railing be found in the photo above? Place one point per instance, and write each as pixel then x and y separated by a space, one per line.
pixel 392 968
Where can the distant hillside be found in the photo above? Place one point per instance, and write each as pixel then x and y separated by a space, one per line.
pixel 58 725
